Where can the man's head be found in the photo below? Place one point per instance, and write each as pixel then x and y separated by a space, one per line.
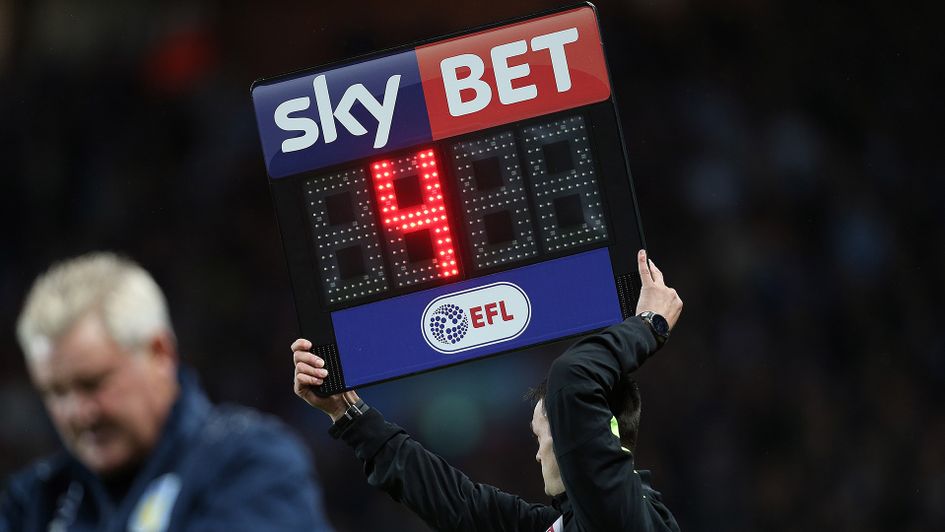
pixel 100 349
pixel 628 422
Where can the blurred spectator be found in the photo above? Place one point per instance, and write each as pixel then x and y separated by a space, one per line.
pixel 144 448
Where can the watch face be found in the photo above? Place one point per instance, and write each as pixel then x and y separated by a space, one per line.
pixel 660 325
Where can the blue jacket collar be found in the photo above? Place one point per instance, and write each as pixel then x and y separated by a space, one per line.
pixel 188 414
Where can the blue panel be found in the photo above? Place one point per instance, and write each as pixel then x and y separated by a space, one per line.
pixel 434 328
pixel 409 124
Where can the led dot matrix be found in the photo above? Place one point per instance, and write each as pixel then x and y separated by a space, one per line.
pixel 415 219
pixel 521 191
pixel 494 202
pixel 346 241
pixel 561 168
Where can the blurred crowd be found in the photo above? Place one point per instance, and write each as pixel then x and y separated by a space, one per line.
pixel 788 168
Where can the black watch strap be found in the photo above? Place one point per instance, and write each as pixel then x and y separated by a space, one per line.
pixel 353 412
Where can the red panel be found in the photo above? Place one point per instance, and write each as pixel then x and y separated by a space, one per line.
pixel 514 72
pixel 431 214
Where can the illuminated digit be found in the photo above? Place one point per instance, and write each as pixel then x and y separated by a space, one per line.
pixel 414 217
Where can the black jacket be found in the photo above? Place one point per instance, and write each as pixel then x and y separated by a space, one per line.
pixel 603 491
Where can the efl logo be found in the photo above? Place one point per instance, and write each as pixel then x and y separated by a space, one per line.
pixel 476 318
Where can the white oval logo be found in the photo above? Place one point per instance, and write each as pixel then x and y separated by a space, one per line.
pixel 476 317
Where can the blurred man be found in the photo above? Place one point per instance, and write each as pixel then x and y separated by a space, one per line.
pixel 590 477
pixel 144 448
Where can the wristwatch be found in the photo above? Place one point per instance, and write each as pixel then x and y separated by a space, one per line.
pixel 658 325
pixel 354 411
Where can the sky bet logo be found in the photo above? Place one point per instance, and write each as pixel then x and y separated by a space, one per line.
pixel 478 317
pixel 436 91
pixel 382 111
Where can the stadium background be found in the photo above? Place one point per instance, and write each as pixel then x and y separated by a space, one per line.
pixel 788 162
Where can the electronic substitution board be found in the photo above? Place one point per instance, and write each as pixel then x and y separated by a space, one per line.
pixel 453 199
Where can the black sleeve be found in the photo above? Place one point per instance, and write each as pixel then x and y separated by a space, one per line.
pixel 599 477
pixel 437 492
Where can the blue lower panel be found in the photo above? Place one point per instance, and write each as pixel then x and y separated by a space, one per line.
pixel 475 318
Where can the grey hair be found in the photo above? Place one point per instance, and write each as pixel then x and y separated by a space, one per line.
pixel 125 296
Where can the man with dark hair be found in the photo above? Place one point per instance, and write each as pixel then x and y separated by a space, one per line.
pixel 626 421
pixel 587 470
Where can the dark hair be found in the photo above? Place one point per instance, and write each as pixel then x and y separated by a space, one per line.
pixel 627 408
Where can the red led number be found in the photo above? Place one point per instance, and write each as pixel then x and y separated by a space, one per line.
pixel 420 205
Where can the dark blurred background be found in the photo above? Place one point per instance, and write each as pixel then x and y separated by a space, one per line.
pixel 788 162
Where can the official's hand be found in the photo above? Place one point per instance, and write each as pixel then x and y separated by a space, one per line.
pixel 655 295
pixel 310 372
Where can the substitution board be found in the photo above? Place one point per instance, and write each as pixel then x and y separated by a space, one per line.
pixel 453 199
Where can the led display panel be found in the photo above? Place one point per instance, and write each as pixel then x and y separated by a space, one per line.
pixel 453 199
